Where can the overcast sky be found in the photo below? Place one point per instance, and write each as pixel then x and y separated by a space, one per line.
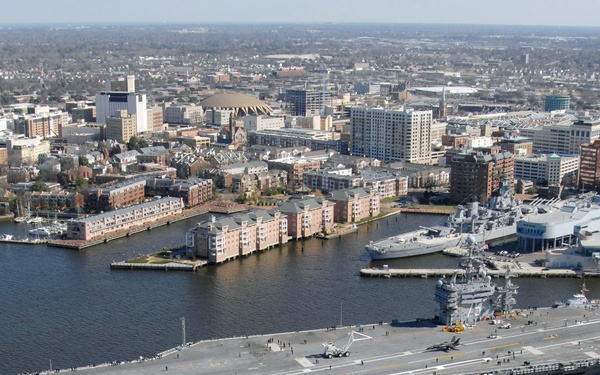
pixel 497 12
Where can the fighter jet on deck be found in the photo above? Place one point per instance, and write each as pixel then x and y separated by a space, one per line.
pixel 445 346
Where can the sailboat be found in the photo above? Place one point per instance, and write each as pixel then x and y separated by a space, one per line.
pixel 20 218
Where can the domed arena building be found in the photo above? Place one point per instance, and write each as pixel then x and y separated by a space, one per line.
pixel 240 104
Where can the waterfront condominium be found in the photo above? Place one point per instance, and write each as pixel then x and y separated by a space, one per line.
pixel 391 135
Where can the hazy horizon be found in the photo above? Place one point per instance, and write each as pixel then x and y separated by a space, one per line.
pixel 459 12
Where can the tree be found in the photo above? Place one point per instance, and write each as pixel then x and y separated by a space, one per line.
pixel 39 186
pixel 83 161
pixel 81 183
pixel 47 175
pixel 136 143
pixel 16 176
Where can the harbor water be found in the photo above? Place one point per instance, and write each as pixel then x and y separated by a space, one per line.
pixel 70 308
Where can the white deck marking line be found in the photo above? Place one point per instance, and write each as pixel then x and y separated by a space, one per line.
pixel 592 354
pixel 304 362
pixel 533 350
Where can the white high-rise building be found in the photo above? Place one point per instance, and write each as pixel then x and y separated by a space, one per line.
pixel 391 135
pixel 121 95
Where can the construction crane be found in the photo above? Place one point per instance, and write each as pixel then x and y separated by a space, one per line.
pixel 331 350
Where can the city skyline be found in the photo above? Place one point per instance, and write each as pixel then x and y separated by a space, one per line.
pixel 494 12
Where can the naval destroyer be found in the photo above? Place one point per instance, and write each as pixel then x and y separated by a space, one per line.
pixel 497 220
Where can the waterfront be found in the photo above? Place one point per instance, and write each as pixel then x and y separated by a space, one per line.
pixel 69 307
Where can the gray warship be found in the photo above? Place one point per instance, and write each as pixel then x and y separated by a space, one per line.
pixel 496 220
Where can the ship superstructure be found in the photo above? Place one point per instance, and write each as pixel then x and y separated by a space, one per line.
pixel 470 296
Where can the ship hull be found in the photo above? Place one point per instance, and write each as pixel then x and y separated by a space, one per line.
pixel 414 249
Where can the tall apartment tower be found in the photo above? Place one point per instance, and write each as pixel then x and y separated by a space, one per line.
pixel 475 177
pixel 307 102
pixel 391 135
pixel 589 165
pixel 121 126
pixel 120 94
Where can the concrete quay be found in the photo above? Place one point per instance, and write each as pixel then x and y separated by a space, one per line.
pixel 170 266
pixel 539 339
pixel 440 272
pixel 25 241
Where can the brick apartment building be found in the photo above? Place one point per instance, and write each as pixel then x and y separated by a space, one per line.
pixel 353 205
pixel 116 195
pixel 193 191
pixel 308 216
pixel 234 236
pixel 477 176
pixel 589 164
pixel 53 200
pixel 295 168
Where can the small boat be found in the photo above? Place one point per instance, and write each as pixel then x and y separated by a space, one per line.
pixel 579 299
pixel 6 236
pixel 41 231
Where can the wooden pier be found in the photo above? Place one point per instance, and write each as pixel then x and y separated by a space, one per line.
pixel 448 272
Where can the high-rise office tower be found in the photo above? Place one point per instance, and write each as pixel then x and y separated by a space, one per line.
pixel 121 126
pixel 120 94
pixel 307 102
pixel 557 102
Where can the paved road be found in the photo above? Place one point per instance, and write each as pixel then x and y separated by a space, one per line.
pixel 553 335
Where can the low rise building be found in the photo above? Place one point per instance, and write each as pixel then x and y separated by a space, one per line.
pixel 313 139
pixel 154 154
pixel 193 191
pixel 253 122
pixel 116 195
pixel 386 184
pixel 26 150
pixel 245 183
pixel 354 205
pixel 140 215
pixel 183 114
pixel 124 160
pixel 328 180
pixel 295 168
pixel 552 169
pixel 308 216
pixel 53 200
pixel 238 235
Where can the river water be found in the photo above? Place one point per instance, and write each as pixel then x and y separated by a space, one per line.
pixel 68 307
